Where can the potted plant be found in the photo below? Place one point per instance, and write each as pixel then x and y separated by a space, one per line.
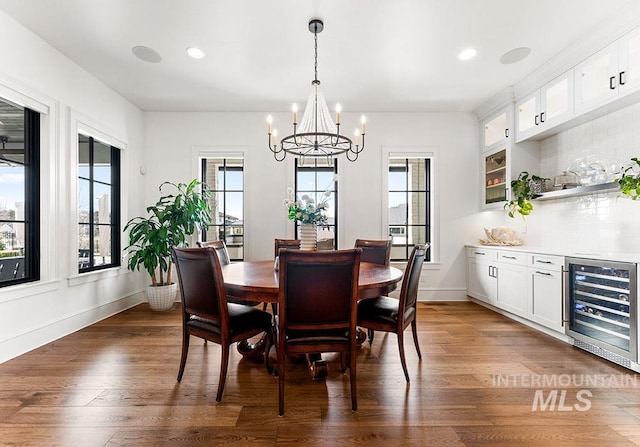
pixel 168 223
pixel 629 180
pixel 523 189
pixel 309 214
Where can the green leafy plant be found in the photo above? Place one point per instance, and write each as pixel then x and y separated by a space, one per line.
pixel 629 180
pixel 170 221
pixel 522 193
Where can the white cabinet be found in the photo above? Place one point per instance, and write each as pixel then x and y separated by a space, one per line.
pixel 496 176
pixel 511 277
pixel 497 278
pixel 611 72
pixel 544 296
pixel 496 128
pixel 546 107
pixel 528 285
pixel 501 159
pixel 481 280
pixel 629 62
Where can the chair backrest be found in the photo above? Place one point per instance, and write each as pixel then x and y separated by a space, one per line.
pixel 409 289
pixel 201 284
pixel 375 251
pixel 221 250
pixel 318 290
pixel 325 244
pixel 293 244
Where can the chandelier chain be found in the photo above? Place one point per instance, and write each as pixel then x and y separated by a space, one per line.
pixel 315 38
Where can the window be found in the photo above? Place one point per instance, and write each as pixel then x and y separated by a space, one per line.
pixel 409 205
pixel 19 194
pixel 98 205
pixel 313 177
pixel 224 178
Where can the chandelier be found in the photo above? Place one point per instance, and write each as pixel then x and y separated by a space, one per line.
pixel 316 135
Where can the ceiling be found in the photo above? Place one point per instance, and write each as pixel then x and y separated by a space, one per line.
pixel 373 55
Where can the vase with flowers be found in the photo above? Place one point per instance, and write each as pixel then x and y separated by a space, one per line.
pixel 308 214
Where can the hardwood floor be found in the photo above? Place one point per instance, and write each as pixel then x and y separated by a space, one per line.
pixel 114 384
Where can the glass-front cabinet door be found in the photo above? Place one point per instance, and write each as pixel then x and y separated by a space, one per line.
pixel 495 177
pixel 556 100
pixel 495 129
pixel 629 70
pixel 596 79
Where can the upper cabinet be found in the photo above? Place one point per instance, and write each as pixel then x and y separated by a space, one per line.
pixel 609 73
pixel 548 106
pixel 629 62
pixel 495 129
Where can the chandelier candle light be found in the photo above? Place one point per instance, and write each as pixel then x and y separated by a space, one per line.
pixel 316 135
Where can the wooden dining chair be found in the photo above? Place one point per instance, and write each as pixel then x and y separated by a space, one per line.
pixel 394 315
pixel 206 312
pixel 317 305
pixel 223 256
pixel 221 250
pixel 293 244
pixel 376 251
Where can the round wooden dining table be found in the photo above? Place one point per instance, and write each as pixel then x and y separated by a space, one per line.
pixel 257 281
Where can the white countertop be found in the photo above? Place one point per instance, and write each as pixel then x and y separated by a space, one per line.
pixel 607 256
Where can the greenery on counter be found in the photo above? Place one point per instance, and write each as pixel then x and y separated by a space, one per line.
pixel 521 194
pixel 629 180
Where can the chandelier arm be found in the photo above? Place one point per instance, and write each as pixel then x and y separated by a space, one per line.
pixel 351 152
pixel 284 155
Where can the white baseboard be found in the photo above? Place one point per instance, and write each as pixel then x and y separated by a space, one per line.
pixel 34 338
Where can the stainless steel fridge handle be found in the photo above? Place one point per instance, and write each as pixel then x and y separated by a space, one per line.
pixel 563 297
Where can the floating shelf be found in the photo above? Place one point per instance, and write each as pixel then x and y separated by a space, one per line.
pixel 579 191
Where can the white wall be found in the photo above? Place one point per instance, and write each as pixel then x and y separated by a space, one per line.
pixel 602 224
pixel 62 301
pixel 173 141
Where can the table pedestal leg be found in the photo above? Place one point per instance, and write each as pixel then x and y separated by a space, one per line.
pixel 252 351
pixel 317 366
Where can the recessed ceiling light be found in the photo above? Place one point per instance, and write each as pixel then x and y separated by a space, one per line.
pixel 146 54
pixel 467 54
pixel 195 53
pixel 515 55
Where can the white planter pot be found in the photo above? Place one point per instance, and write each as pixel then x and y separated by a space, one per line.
pixel 162 298
pixel 308 236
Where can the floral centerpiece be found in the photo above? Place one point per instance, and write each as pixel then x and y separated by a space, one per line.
pixel 309 214
pixel 305 210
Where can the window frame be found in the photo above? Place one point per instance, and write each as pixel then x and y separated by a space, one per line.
pixel 318 192
pixel 115 220
pixel 31 184
pixel 224 190
pixel 429 218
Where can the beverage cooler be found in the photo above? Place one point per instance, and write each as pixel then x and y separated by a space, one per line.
pixel 601 308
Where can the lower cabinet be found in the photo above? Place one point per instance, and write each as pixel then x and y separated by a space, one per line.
pixel 544 303
pixel 512 278
pixel 481 282
pixel 524 284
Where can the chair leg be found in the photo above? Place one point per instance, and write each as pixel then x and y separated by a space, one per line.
pixel 267 348
pixel 343 362
pixel 223 370
pixel 352 378
pixel 281 369
pixel 185 351
pixel 370 332
pixel 402 359
pixel 414 329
